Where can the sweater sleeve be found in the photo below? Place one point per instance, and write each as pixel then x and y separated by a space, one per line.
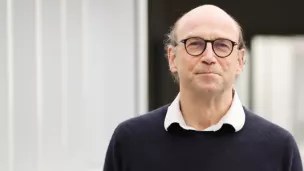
pixel 293 161
pixel 113 157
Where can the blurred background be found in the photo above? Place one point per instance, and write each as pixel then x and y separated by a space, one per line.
pixel 72 70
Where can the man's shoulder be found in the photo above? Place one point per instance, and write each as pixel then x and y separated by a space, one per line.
pixel 274 138
pixel 147 118
pixel 144 122
pixel 261 125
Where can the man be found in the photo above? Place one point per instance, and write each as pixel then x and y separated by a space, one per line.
pixel 205 127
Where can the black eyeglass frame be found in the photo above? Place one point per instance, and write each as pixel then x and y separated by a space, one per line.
pixel 184 41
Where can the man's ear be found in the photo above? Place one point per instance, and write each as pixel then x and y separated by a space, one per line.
pixel 172 59
pixel 241 61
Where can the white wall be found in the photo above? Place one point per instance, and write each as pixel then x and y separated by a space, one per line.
pixel 69 73
pixel 4 134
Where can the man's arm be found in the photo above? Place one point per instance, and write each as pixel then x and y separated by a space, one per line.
pixel 113 156
pixel 293 157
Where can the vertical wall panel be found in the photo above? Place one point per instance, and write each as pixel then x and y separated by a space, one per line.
pixel 299 93
pixel 95 102
pixel 24 78
pixel 4 147
pixel 141 20
pixel 273 71
pixel 282 70
pixel 52 148
pixel 112 92
pixel 118 39
pixel 10 76
pixel 262 79
pixel 75 111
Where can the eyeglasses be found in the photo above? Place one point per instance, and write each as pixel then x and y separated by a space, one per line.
pixel 195 46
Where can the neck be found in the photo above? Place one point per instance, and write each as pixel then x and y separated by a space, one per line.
pixel 201 110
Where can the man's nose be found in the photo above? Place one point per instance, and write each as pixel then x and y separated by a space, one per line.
pixel 208 57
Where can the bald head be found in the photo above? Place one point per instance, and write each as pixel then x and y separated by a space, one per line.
pixel 207 14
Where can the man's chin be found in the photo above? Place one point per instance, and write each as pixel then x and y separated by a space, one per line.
pixel 208 88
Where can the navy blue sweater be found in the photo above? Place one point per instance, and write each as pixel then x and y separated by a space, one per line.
pixel 143 144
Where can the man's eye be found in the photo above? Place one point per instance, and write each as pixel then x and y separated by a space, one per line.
pixel 196 44
pixel 221 45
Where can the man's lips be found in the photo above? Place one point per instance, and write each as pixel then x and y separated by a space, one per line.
pixel 207 73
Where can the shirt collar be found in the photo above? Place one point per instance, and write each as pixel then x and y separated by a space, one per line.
pixel 235 116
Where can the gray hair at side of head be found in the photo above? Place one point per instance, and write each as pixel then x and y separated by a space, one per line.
pixel 171 40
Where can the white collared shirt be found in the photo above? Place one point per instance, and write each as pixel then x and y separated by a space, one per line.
pixel 235 116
